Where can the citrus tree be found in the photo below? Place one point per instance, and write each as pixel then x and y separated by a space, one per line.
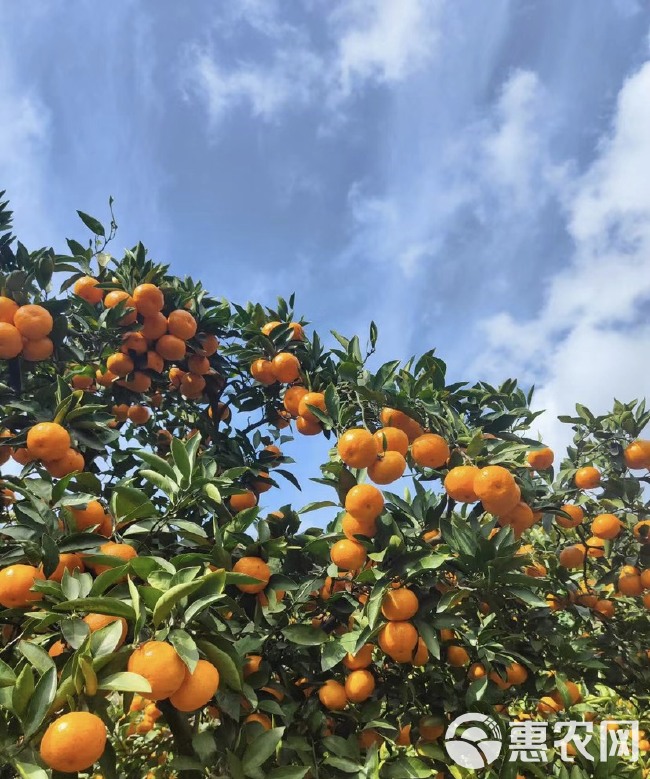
pixel 158 622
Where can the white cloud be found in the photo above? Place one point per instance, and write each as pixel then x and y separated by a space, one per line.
pixel 589 340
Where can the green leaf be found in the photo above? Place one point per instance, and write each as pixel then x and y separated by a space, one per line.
pixel 7 675
pixel 125 681
pixel 111 606
pixel 129 503
pixel 332 654
pixel 288 772
pixel 164 483
pixel 30 770
pixel 181 458
pixel 305 635
pixel 184 644
pixel 172 597
pixel 261 748
pixel 36 656
pixel 23 690
pixel 157 463
pixel 228 671
pixel 94 225
pixel 40 702
pixel 527 596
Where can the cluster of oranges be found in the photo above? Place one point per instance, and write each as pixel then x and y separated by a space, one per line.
pixel 146 715
pixel 25 330
pixel 50 444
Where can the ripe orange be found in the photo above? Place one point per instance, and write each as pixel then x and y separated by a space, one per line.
pixel 92 514
pixel 192 385
pixel 120 364
pixel 637 454
pixel 630 584
pixel 133 342
pixel 124 553
pixel 117 296
pixel 8 308
pixel 292 397
pixel 605 608
pixel 209 344
pixel 99 621
pixel 154 326
pixel 641 530
pixel 81 381
pixel 430 451
pixel 359 686
pixel 400 605
pixel 160 665
pixel 332 695
pixel 576 514
pixel 364 501
pixel 606 526
pixel 16 582
pixel 362 659
pixel 251 665
pixel 11 341
pixel 257 569
pixel 399 641
pixel 457 656
pixel 392 439
pixel 243 500
pixel 149 299
pixel 368 738
pixel 573 556
pixel 286 367
pixel 540 459
pixel 298 333
pixel 63 466
pixel 48 441
pixel 197 688
pixel 421 656
pixel 351 527
pixel 181 324
pixel 155 363
pixel 548 706
pixel 269 327
pixel 73 742
pixel 169 347
pixel 391 417
pixel 595 546
pixel 431 727
pixel 645 579
pixel 587 478
pixel 37 350
pixel 404 737
pixel 476 671
pixel 262 371
pixel 497 490
pixel 357 448
pixel 387 468
pixel 104 379
pixel 348 555
pixel 459 483
pixel 316 399
pixel 86 288
pixel 33 322
pixel 259 719
pixel 198 365
pixel 305 427
pixel 520 518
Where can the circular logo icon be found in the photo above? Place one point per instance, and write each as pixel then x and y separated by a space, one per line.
pixel 473 741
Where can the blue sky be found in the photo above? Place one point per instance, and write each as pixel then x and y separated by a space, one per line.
pixel 472 176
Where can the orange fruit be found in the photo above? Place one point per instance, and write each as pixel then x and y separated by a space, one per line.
pixel 257 569
pixel 630 584
pixel 93 514
pixel 117 296
pixel 430 451
pixel 251 665
pixel 104 379
pixel 540 459
pixel 63 466
pixel 364 502
pixel 48 441
pixel 99 621
pixel 197 688
pixel 198 365
pixel 154 326
pixel 73 742
pixel 120 364
pixel 181 324
pixel 431 728
pixel 368 738
pixel 8 308
pixel 259 719
pixel 351 527
pixel 595 546
pixel 269 327
pixel 387 468
pixel 587 478
pixel 123 553
pixel 404 737
pixel 23 456
pixel 399 641
pixel 645 579
pixel 332 695
pixel 262 371
pixel 133 342
pixel 306 427
pixel 400 605
pixel 572 556
pixel 392 439
pixel 520 518
pixel 421 656
pixel 298 333
pixel 160 665
pixel 315 399
pixel 82 382
pixel 641 530
pixel 391 417
pixel 476 671
pixel 357 448
pixel 286 367
pixel 292 397
pixel 362 659
pixel 243 500
pixel 33 322
pixel 359 686
pixel 457 656
pixel 139 415
pixel 548 705
pixel 170 347
pixel 37 350
pixel 606 526
pixel 86 288
pixel 496 488
pixel 149 299
pixel 348 555
pixel 637 454
pixel 459 483
pixel 192 385
pixel 11 341
pixel 16 582
pixel 209 344
pixel 155 363
pixel 605 607
pixel 576 514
